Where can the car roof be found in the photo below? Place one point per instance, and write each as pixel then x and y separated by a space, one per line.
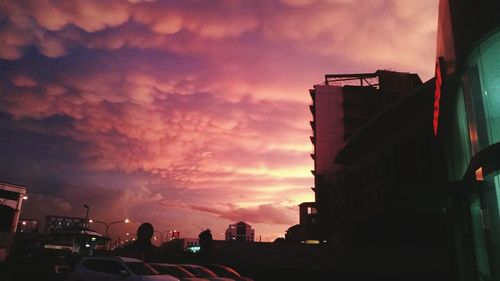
pixel 163 264
pixel 127 259
pixel 190 265
pixel 123 259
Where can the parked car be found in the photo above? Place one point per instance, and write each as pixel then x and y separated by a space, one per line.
pixel 201 272
pixel 176 271
pixel 225 271
pixel 115 268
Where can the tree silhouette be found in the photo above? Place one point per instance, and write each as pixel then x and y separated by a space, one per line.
pixel 206 242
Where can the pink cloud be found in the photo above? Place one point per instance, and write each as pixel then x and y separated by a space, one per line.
pixel 267 214
pixel 210 96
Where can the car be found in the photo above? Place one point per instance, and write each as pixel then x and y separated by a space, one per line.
pixel 176 271
pixel 225 271
pixel 115 268
pixel 201 272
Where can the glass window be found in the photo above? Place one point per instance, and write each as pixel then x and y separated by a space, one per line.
pixel 482 87
pixel 482 101
pixel 460 142
pixel 490 74
pixel 141 268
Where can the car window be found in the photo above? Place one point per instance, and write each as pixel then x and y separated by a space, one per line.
pixel 181 272
pixel 223 271
pixel 200 271
pixel 106 266
pixel 193 271
pixel 141 268
pixel 176 271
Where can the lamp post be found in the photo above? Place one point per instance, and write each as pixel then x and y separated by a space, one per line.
pixel 161 235
pixel 86 226
pixel 86 217
pixel 107 225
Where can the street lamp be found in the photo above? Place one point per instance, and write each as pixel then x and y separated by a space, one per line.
pixel 107 225
pixel 161 235
pixel 86 217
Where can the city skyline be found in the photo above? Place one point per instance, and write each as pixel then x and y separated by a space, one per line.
pixel 184 114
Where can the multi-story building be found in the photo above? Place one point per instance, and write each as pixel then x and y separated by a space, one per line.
pixel 11 199
pixel 27 226
pixel 240 232
pixel 64 224
pixel 342 105
pixel 72 234
pixel 425 170
pixel 307 231
pixel 190 244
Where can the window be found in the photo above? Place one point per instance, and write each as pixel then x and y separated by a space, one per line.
pixel 311 211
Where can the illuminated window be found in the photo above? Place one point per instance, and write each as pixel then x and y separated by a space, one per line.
pixel 311 211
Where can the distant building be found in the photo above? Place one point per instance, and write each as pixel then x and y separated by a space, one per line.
pixel 340 107
pixel 190 244
pixel 307 231
pixel 175 235
pixel 64 224
pixel 11 199
pixel 240 232
pixel 27 226
pixel 72 234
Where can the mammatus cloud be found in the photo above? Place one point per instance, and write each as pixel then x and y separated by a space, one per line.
pixel 194 102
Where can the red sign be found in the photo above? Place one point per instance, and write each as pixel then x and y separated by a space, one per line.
pixel 437 96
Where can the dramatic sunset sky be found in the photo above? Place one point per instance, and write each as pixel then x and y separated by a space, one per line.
pixel 186 114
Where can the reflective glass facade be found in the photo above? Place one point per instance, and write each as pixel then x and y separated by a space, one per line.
pixel 475 127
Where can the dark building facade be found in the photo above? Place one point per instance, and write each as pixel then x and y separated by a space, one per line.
pixel 341 106
pixel 27 226
pixel 387 169
pixel 424 170
pixel 308 229
pixel 63 223
pixel 399 163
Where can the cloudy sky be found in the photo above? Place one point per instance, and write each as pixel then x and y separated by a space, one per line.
pixel 187 114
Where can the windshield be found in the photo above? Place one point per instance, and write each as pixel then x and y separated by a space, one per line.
pixel 224 271
pixel 141 268
pixel 176 271
pixel 200 271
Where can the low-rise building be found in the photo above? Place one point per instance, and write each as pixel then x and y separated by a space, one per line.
pixel 240 232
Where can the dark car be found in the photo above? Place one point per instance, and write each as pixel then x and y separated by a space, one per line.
pixel 202 272
pixel 225 271
pixel 176 271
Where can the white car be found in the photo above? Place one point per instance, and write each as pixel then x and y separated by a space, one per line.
pixel 115 269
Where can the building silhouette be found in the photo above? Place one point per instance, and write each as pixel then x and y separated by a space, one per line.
pixel 11 199
pixel 400 163
pixel 240 232
pixel 342 105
